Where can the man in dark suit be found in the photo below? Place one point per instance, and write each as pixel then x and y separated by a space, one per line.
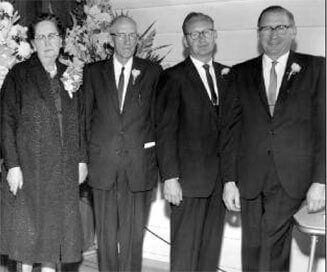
pixel 188 107
pixel 120 96
pixel 277 150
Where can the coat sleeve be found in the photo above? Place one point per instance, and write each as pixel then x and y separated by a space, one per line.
pixel 230 131
pixel 167 125
pixel 86 111
pixel 81 121
pixel 10 111
pixel 319 121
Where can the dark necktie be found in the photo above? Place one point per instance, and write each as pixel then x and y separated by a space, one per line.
pixel 272 89
pixel 214 98
pixel 121 87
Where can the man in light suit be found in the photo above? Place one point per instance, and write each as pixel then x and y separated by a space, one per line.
pixel 190 98
pixel 119 108
pixel 276 152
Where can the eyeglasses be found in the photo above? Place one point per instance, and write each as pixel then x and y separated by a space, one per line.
pixel 207 33
pixel 50 37
pixel 279 29
pixel 123 36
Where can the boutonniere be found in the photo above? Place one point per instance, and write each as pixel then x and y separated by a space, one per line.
pixel 224 71
pixel 135 74
pixel 295 68
pixel 72 78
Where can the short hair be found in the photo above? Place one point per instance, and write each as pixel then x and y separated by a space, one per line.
pixel 275 9
pixel 122 17
pixel 45 17
pixel 198 15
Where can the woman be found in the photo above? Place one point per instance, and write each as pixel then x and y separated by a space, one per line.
pixel 43 155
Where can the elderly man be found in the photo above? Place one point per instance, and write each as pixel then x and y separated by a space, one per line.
pixel 120 132
pixel 277 148
pixel 189 101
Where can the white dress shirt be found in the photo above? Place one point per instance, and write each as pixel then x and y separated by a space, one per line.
pixel 280 70
pixel 127 73
pixel 199 67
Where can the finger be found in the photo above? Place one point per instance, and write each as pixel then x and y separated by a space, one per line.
pixel 21 184
pixel 237 203
pixel 175 200
pixel 180 195
pixel 228 204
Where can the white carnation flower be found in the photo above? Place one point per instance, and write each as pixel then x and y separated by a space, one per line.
pixel 24 50
pixel 6 7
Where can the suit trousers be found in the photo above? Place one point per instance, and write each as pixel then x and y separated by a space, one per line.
pixel 196 232
pixel 267 223
pixel 120 217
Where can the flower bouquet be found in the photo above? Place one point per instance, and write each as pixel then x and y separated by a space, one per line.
pixel 13 40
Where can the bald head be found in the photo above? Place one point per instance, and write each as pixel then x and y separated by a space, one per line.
pixel 122 19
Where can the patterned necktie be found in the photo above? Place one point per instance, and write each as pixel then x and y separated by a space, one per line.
pixel 272 89
pixel 214 98
pixel 121 87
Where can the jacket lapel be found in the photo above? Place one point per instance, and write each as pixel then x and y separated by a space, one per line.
pixel 259 84
pixel 133 87
pixel 287 82
pixel 196 81
pixel 108 74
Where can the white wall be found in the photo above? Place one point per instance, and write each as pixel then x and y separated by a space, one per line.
pixel 235 21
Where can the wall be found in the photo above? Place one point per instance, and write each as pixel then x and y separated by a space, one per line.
pixel 236 24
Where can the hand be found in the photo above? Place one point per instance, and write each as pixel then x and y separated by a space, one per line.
pixel 231 196
pixel 173 191
pixel 316 197
pixel 15 179
pixel 82 172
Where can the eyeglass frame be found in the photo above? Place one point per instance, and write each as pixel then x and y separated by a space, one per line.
pixel 210 32
pixel 50 37
pixel 123 36
pixel 279 29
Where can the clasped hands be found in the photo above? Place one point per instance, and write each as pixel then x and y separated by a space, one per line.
pixel 15 177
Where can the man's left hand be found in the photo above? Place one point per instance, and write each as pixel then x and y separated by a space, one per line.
pixel 316 197
pixel 82 172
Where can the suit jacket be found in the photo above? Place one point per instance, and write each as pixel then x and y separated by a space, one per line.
pixel 294 136
pixel 116 140
pixel 188 128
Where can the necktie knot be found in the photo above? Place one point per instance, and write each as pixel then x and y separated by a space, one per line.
pixel 206 67
pixel 273 64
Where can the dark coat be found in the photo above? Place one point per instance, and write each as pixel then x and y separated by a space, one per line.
pixel 116 140
pixel 188 128
pixel 42 223
pixel 295 136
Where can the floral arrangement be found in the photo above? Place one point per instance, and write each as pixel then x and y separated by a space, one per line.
pixel 88 40
pixel 14 47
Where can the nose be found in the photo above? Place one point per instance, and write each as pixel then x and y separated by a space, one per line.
pixel 46 41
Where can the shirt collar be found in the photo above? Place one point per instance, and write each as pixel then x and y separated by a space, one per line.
pixel 281 60
pixel 199 64
pixel 118 65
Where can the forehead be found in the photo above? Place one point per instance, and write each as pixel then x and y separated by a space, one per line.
pixel 45 27
pixel 275 18
pixel 124 25
pixel 198 24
